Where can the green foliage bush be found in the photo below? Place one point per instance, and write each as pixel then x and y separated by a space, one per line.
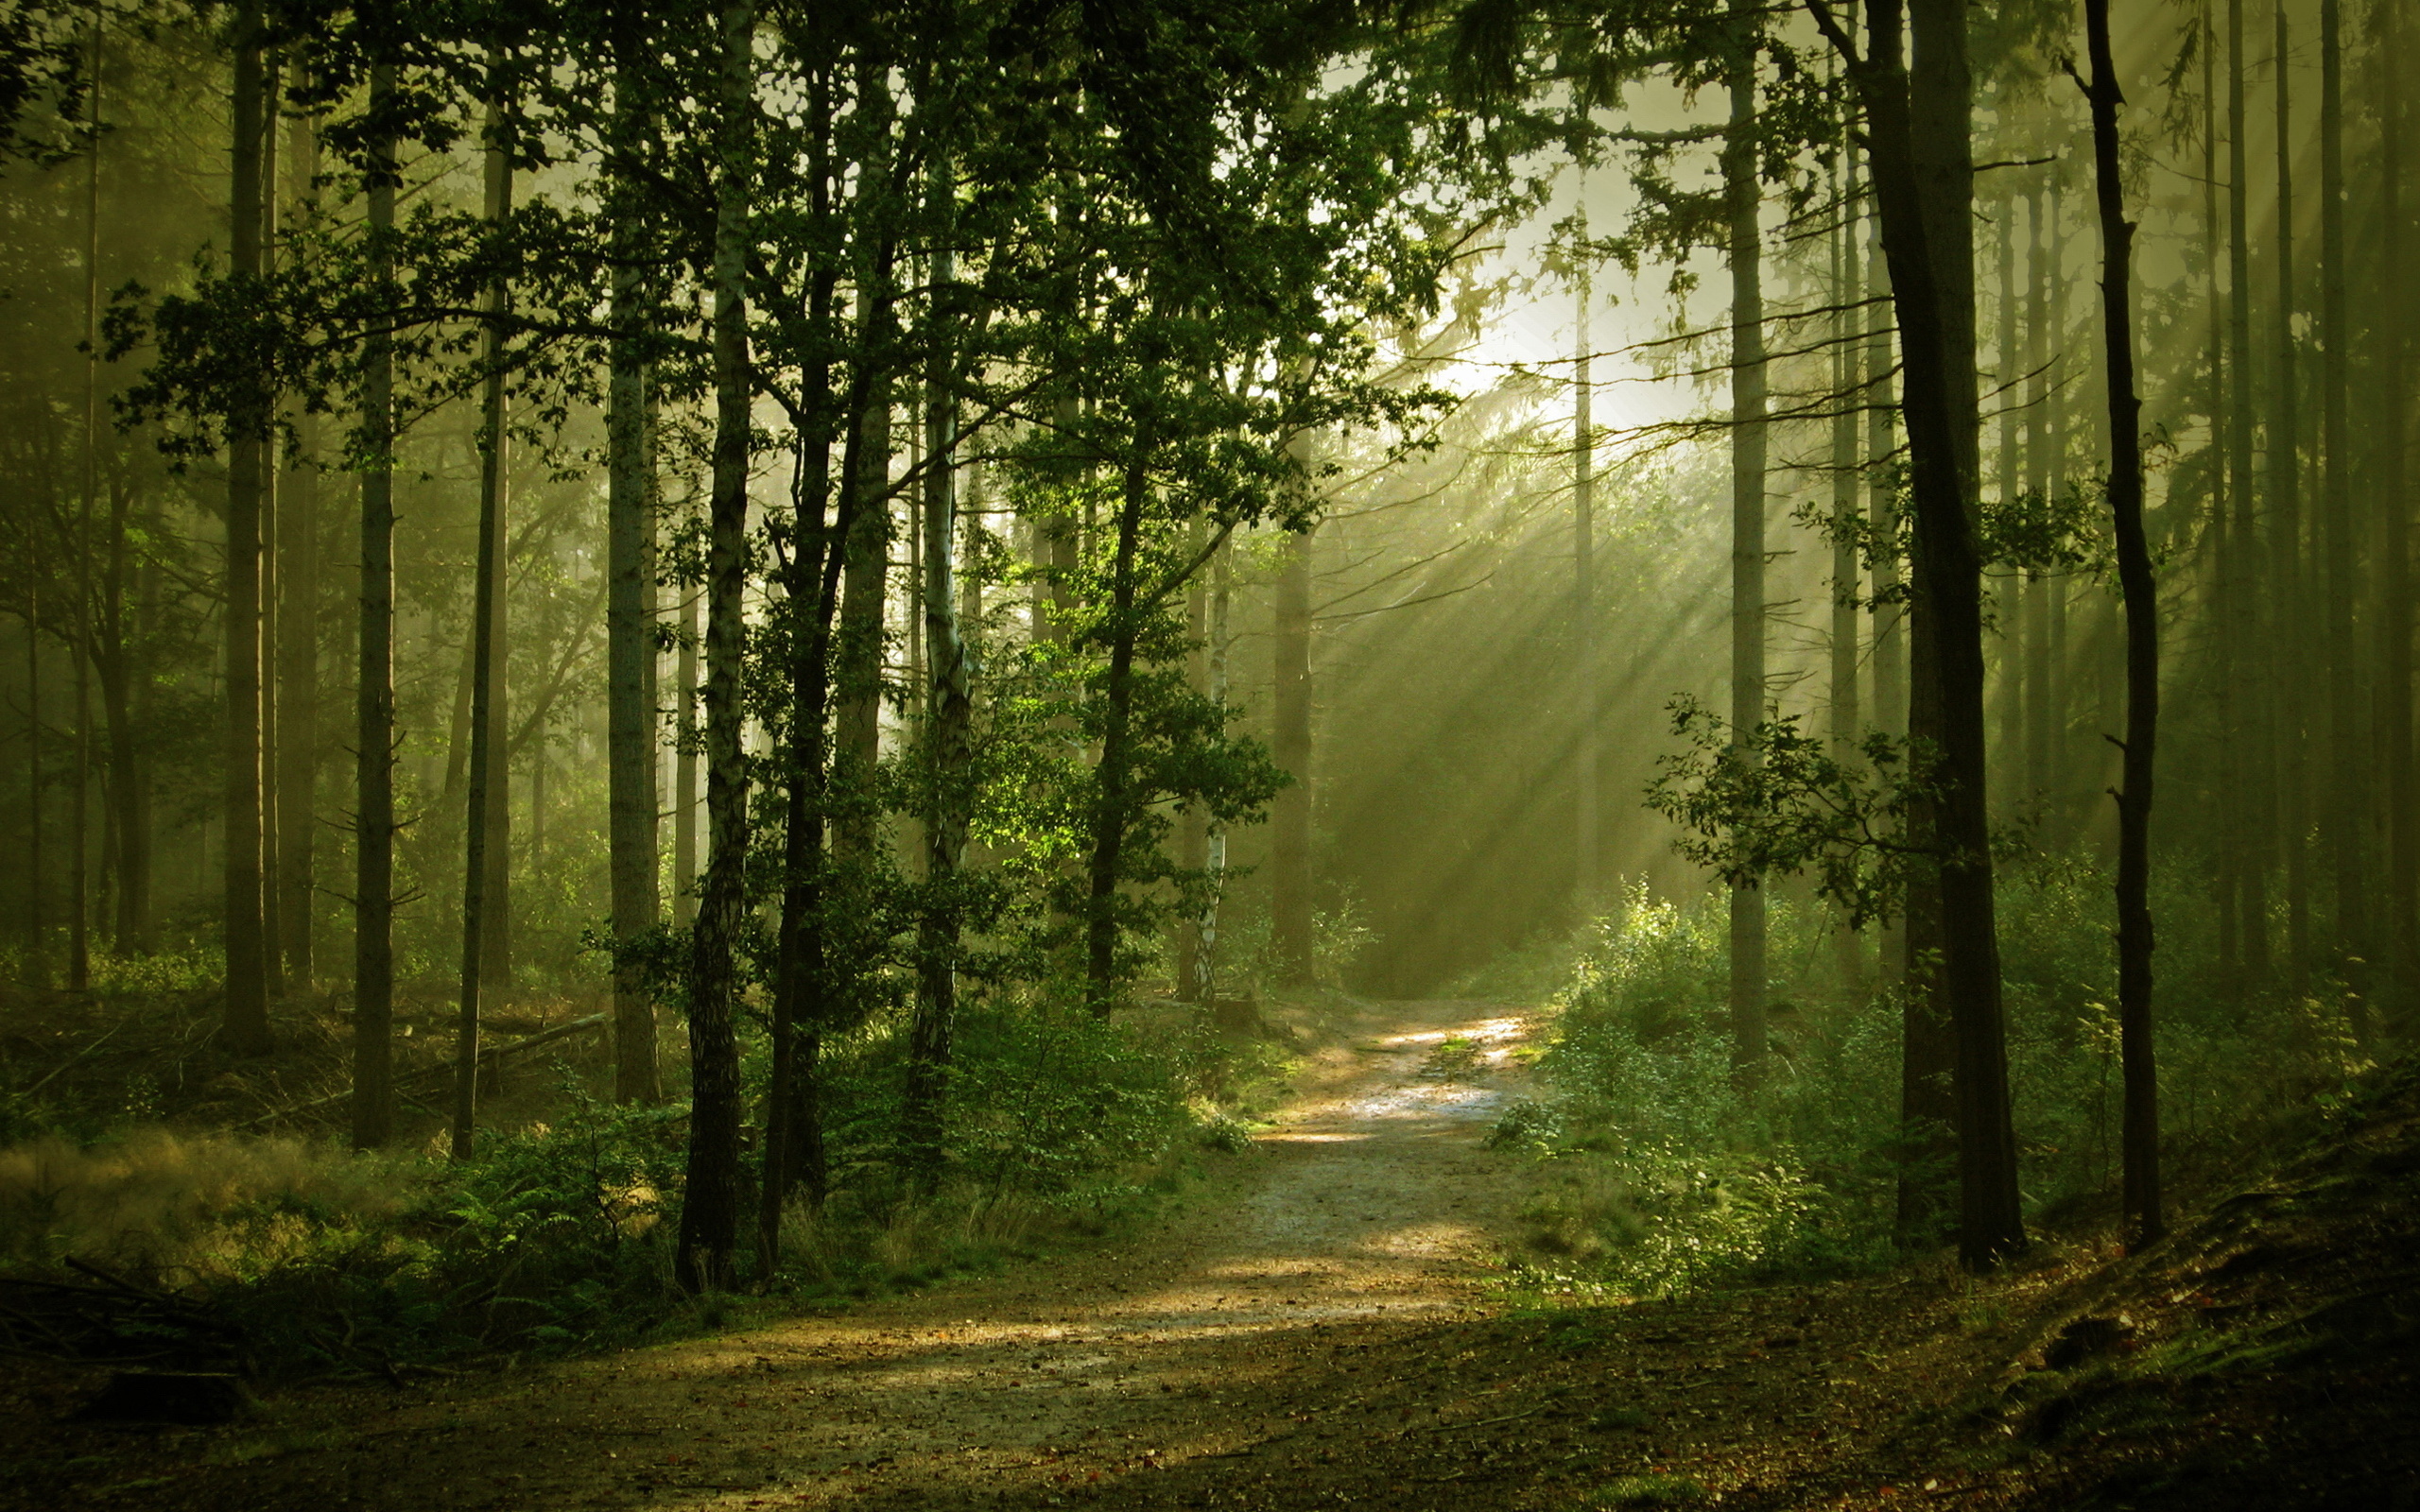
pixel 327 1260
pixel 1661 1174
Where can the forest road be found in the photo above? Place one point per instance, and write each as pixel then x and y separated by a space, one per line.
pixel 1249 1351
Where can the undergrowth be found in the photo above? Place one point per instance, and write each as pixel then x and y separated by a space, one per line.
pixel 1658 1172
pixel 558 1235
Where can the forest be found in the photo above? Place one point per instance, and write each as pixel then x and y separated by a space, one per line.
pixel 1561 754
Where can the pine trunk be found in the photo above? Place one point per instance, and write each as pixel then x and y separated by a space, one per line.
pixel 246 1025
pixel 706 1257
pixel 1743 202
pixel 374 885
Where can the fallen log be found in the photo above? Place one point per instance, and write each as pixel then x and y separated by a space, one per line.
pixel 489 1058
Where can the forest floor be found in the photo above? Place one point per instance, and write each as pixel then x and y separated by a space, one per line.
pixel 1329 1325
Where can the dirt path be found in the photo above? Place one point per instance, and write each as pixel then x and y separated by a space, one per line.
pixel 1317 1335
pixel 1169 1369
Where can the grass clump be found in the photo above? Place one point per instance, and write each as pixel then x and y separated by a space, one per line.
pixel 1645 1492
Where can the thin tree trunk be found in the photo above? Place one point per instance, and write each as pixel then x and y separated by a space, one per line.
pixel 2226 875
pixel 1290 814
pixel 684 761
pixel 1213 859
pixel 2256 800
pixel 1882 526
pixel 949 749
pixel 2008 458
pixel 272 536
pixel 297 725
pixel 1743 201
pixel 2043 725
pixel 2145 1221
pixel 1110 817
pixel 297 652
pixel 1193 824
pixel 2349 793
pixel 2287 659
pixel 705 1258
pixel 79 961
pixel 483 837
pixel 373 822
pixel 856 734
pixel 1848 712
pixel 1920 129
pixel 630 628
pixel 1588 884
pixel 246 1023
pixel 2394 527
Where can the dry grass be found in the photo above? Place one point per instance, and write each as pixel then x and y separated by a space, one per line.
pixel 158 1201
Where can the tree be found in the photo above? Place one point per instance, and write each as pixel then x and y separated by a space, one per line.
pixel 1743 202
pixel 2144 1217
pixel 1918 124
pixel 631 714
pixel 373 817
pixel 246 1025
pixel 707 1256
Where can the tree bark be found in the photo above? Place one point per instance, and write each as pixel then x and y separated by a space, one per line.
pixel 1588 884
pixel 1114 770
pixel 2349 792
pixel 949 748
pixel 373 820
pixel 630 626
pixel 1847 710
pixel 1290 814
pixel 1918 125
pixel 2393 529
pixel 2253 737
pixel 686 738
pixel 483 839
pixel 2145 1221
pixel 246 1023
pixel 1743 202
pixel 705 1258
pixel 2289 662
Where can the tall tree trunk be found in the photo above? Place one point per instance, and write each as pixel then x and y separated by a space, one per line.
pixel 272 539
pixel 2145 1222
pixel 297 653
pixel 705 1258
pixel 2249 642
pixel 483 837
pixel 1111 818
pixel 2044 723
pixel 857 733
pixel 1214 858
pixel 2287 657
pixel 1193 824
pixel 2349 792
pixel 793 1146
pixel 373 822
pixel 2226 875
pixel 2007 459
pixel 1847 710
pixel 2394 527
pixel 246 1023
pixel 1743 201
pixel 1587 886
pixel 686 741
pixel 629 624
pixel 1920 129
pixel 949 752
pixel 1882 527
pixel 1289 815
pixel 298 723
pixel 79 963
